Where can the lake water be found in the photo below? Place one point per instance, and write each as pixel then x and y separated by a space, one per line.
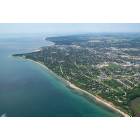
pixel 27 89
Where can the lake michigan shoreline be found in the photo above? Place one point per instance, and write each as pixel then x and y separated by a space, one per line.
pixel 97 99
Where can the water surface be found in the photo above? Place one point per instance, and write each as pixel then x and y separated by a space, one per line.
pixel 27 89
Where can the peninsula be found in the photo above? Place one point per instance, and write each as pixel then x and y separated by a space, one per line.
pixel 105 67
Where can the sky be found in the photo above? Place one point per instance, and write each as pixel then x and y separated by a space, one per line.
pixel 67 28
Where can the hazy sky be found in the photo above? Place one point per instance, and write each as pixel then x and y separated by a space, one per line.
pixel 58 28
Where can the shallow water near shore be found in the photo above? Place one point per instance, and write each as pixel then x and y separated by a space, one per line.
pixel 27 89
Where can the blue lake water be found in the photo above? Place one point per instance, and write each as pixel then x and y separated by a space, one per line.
pixel 27 89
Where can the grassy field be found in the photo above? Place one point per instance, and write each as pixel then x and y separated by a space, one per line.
pixel 135 105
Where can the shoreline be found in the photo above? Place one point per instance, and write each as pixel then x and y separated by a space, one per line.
pixel 96 98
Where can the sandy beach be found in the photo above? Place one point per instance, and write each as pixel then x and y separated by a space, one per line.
pixel 100 100
pixel 95 98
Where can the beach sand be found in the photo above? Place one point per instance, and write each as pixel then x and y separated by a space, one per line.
pixel 96 98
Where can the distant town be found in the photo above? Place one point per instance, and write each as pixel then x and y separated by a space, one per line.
pixel 105 65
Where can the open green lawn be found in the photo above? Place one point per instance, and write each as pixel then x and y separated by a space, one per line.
pixel 135 105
